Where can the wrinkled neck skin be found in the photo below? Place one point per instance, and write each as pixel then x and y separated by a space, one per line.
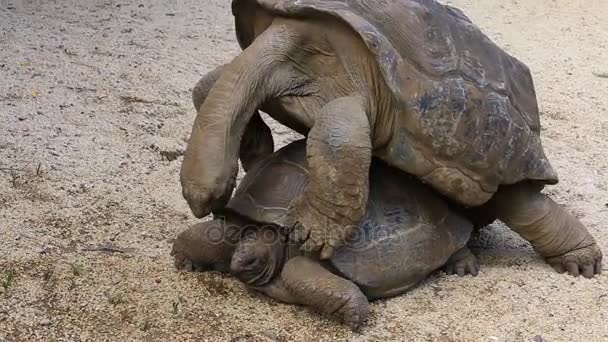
pixel 257 75
pixel 330 61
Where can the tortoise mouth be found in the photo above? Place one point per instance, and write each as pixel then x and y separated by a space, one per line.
pixel 254 269
pixel 258 260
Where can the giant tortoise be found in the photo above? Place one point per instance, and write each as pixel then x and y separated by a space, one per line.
pixel 412 82
pixel 408 231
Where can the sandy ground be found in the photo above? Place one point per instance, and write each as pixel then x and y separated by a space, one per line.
pixel 94 113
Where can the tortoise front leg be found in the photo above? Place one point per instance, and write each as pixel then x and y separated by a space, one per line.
pixel 304 281
pixel 206 245
pixel 555 233
pixel 339 154
pixel 257 141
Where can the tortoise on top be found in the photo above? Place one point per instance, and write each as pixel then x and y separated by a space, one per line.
pixel 412 82
pixel 407 233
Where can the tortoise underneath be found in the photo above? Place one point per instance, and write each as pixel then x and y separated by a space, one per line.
pixel 407 232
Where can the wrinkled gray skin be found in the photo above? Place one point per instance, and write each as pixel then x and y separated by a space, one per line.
pixel 407 232
pixel 412 82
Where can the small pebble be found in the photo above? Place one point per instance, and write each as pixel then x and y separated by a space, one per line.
pixel 157 280
pixel 45 322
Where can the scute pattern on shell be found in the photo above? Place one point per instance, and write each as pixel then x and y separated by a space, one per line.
pixel 475 105
pixel 286 171
pixel 378 256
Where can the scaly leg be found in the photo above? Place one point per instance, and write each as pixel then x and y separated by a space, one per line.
pixel 339 155
pixel 304 281
pixel 206 245
pixel 555 233
pixel 462 262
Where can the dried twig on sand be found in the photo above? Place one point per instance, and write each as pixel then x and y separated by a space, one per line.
pixel 106 248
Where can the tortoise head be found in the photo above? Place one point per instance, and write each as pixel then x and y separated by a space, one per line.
pixel 259 256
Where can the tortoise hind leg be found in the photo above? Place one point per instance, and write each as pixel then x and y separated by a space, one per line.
pixel 257 142
pixel 462 262
pixel 556 234
pixel 304 281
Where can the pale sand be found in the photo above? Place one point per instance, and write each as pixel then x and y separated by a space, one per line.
pixel 102 179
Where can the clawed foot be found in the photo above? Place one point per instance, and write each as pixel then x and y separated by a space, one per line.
pixel 586 261
pixel 206 246
pixel 182 255
pixel 184 263
pixel 462 263
pixel 354 313
pixel 318 232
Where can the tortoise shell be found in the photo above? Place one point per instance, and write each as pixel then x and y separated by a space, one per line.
pixel 468 119
pixel 266 191
pixel 402 216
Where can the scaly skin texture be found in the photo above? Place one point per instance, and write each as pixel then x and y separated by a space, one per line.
pixel 553 232
pixel 206 245
pixel 210 165
pixel 260 257
pixel 340 135
pixel 324 291
pixel 333 200
pixel 300 280
pixel 462 262
pixel 445 122
pixel 402 215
